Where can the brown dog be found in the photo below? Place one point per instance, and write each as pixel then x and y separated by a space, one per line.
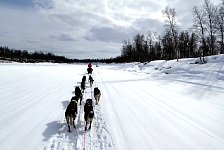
pixel 97 94
pixel 70 114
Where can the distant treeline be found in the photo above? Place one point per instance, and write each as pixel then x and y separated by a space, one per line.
pixel 205 37
pixel 24 56
pixel 31 57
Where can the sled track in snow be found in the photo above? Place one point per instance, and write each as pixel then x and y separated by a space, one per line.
pixel 96 138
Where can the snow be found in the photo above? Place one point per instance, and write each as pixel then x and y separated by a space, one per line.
pixel 161 105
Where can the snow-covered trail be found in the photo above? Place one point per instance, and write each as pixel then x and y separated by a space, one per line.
pixel 138 109
pixel 33 99
pixel 152 115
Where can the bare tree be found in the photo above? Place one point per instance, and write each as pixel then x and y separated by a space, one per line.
pixel 151 38
pixel 183 44
pixel 210 12
pixel 199 26
pixel 220 26
pixel 192 45
pixel 171 24
pixel 168 52
pixel 158 50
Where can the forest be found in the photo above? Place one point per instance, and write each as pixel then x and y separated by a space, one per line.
pixel 204 38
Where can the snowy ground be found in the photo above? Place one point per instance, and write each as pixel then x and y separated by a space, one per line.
pixel 162 105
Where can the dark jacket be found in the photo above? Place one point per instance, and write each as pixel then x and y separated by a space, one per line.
pixel 89 65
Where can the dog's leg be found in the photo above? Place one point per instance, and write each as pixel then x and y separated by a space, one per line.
pixel 80 99
pixel 68 122
pixel 85 117
pixel 74 123
pixel 90 122
pixel 97 99
pixel 90 125
pixel 69 130
pixel 86 126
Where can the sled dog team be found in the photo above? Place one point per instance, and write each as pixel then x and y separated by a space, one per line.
pixel 71 110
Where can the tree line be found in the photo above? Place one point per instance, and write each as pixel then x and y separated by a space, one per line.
pixel 24 56
pixel 30 57
pixel 205 37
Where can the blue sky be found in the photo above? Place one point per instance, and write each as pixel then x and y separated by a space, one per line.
pixel 18 3
pixel 83 29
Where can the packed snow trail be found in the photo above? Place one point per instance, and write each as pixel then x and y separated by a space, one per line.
pixel 79 139
pixel 98 137
pixel 146 114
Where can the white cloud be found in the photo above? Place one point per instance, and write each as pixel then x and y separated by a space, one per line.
pixel 86 28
